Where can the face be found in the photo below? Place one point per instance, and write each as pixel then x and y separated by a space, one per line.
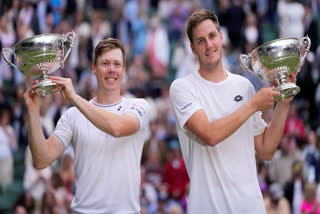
pixel 207 44
pixel 109 70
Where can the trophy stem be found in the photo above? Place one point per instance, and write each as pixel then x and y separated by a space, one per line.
pixel 282 77
pixel 286 89
pixel 43 77
pixel 45 85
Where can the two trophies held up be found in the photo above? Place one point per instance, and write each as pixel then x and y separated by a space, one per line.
pixel 275 60
pixel 39 56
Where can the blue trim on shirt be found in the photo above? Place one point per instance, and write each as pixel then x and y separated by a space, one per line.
pixel 60 140
pixel 108 105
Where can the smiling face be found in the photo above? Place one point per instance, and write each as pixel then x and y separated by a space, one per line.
pixel 207 44
pixel 109 70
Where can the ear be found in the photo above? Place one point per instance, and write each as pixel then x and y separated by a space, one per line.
pixel 221 37
pixel 93 68
pixel 192 48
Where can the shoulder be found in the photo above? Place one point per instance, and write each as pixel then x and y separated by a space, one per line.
pixel 241 81
pixel 140 105
pixel 185 79
pixel 137 101
pixel 71 112
pixel 238 77
pixel 183 83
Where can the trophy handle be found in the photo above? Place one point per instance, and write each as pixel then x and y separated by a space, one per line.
pixel 71 38
pixel 245 62
pixel 7 53
pixel 306 43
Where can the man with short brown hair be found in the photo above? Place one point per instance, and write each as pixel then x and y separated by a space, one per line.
pixel 107 134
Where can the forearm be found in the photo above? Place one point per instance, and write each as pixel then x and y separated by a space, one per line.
pixel 104 120
pixel 223 128
pixel 274 130
pixel 37 142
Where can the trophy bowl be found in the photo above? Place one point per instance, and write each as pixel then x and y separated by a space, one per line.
pixel 275 60
pixel 39 56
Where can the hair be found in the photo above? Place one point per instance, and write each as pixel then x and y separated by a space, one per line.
pixel 199 16
pixel 310 190
pixel 107 45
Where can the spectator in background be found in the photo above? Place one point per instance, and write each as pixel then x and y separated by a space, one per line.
pixel 35 181
pixel 26 201
pixel 48 202
pixel 285 156
pixel 294 126
pixel 18 111
pixel 309 75
pixel 177 18
pixel 310 204
pixel 276 203
pixel 175 173
pixel 100 28
pixel 291 13
pixel 232 16
pixel 311 158
pixel 293 189
pixel 7 40
pixel 8 144
pixel 19 210
pixel 158 49
pixel 250 34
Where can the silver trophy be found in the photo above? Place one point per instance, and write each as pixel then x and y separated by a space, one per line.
pixel 39 56
pixel 275 60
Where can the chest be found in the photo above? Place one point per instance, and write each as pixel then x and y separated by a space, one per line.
pixel 220 101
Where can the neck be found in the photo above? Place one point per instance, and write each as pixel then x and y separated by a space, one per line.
pixel 107 98
pixel 216 74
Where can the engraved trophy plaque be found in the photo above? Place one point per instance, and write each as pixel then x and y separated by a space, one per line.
pixel 275 60
pixel 39 56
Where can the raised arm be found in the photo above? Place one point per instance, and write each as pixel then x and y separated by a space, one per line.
pixel 267 142
pixel 44 151
pixel 113 124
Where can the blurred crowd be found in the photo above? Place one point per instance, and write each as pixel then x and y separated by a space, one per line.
pixel 158 51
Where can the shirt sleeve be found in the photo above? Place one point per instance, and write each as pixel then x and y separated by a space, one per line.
pixel 259 124
pixel 141 109
pixel 182 103
pixel 63 130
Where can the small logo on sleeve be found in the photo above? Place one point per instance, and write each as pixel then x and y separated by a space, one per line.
pixel 186 106
pixel 138 109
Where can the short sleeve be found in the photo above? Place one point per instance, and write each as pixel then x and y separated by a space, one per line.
pixel 259 124
pixel 63 130
pixel 182 103
pixel 141 109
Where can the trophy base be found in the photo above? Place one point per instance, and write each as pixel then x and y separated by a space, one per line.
pixel 46 87
pixel 287 90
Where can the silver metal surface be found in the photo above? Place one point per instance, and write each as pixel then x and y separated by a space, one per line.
pixel 39 56
pixel 275 60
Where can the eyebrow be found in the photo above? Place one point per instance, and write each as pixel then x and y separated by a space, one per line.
pixel 201 37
